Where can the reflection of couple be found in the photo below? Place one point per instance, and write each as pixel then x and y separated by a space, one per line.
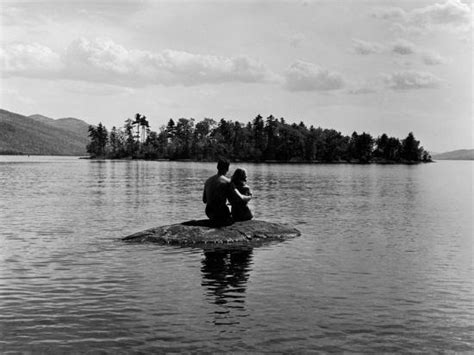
pixel 225 274
pixel 218 189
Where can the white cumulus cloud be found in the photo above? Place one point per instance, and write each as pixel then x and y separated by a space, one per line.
pixel 400 46
pixel 107 59
pixel 389 13
pixel 365 48
pixel 433 58
pixel 305 76
pixel 452 15
pixel 27 60
pixel 403 47
pixel 452 12
pixel 410 79
pixel 102 60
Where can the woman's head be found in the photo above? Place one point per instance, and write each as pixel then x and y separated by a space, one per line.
pixel 240 175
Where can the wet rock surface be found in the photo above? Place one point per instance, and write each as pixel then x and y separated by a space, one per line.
pixel 202 233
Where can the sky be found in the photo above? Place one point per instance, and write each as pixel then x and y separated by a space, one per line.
pixel 376 66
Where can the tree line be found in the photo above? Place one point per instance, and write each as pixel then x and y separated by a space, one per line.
pixel 260 140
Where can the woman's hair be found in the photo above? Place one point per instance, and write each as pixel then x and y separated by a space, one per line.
pixel 239 176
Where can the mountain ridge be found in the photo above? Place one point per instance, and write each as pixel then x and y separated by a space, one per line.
pixel 67 123
pixel 41 135
pixel 459 154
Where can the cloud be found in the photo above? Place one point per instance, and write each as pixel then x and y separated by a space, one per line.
pixel 33 60
pixel 403 47
pixel 432 58
pixel 107 59
pixel 408 30
pixel 365 48
pixel 305 76
pixel 452 15
pixel 410 80
pixel 452 12
pixel 389 13
pixel 400 47
pixel 361 90
pixel 102 60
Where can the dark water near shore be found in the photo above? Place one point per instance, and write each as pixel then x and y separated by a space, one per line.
pixel 384 264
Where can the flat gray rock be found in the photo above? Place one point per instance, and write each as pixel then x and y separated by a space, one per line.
pixel 200 232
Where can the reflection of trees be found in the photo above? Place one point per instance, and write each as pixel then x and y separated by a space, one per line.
pixel 225 274
pixel 98 173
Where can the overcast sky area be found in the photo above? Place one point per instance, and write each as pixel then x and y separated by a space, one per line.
pixel 377 66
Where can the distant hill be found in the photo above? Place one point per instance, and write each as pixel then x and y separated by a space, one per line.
pixel 41 118
pixel 69 124
pixel 462 154
pixel 41 135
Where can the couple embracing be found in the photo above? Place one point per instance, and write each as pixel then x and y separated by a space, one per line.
pixel 219 188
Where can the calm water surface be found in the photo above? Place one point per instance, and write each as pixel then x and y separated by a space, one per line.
pixel 384 263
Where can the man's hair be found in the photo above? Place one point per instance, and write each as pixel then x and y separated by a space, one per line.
pixel 223 164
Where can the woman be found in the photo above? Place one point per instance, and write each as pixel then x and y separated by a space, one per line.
pixel 240 196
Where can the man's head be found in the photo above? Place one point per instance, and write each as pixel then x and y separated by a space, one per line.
pixel 223 166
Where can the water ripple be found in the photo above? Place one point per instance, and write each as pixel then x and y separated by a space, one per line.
pixel 384 263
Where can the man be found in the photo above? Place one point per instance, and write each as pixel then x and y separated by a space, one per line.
pixel 216 192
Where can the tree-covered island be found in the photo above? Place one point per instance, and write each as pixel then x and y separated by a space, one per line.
pixel 261 140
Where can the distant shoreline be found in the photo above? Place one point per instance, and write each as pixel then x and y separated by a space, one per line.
pixel 296 162
pixel 313 162
pixel 374 162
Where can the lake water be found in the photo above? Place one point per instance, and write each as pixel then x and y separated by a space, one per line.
pixel 384 262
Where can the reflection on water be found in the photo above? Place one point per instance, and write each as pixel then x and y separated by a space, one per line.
pixel 384 262
pixel 225 274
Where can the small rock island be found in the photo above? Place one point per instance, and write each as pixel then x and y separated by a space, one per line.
pixel 202 233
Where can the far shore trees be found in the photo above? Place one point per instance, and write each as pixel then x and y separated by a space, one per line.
pixel 260 140
pixel 99 139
